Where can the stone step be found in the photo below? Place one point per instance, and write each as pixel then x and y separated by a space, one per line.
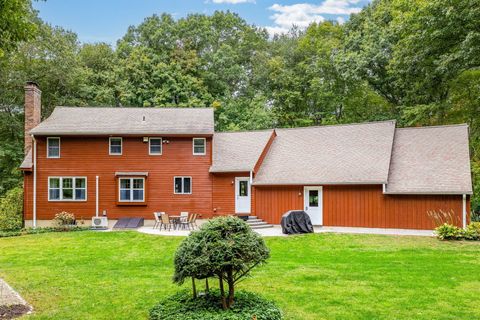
pixel 252 217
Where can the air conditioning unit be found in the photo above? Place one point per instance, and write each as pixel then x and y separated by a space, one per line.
pixel 100 222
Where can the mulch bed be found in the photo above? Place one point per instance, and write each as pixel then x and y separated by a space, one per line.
pixel 13 311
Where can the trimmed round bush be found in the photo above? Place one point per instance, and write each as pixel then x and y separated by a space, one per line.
pixel 182 306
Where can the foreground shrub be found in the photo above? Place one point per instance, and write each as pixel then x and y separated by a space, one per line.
pixel 64 218
pixel 11 210
pixel 182 306
pixel 449 232
pixel 225 248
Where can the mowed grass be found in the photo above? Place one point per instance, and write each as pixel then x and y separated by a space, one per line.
pixel 121 275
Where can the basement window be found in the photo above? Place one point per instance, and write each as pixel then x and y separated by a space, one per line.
pixel 67 188
pixel 199 146
pixel 115 146
pixel 182 185
pixel 53 147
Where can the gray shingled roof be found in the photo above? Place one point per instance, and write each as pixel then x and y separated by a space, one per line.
pixel 430 160
pixel 340 154
pixel 238 151
pixel 27 161
pixel 95 121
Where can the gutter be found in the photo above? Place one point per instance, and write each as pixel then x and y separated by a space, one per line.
pixel 34 182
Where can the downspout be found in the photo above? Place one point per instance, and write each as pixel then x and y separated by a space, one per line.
pixel 96 196
pixel 464 210
pixel 251 177
pixel 34 182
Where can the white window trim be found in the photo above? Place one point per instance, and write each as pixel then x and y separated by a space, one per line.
pixel 131 189
pixel 183 177
pixel 73 185
pixel 59 147
pixel 110 146
pixel 204 149
pixel 161 147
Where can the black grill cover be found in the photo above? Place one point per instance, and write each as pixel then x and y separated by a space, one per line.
pixel 294 222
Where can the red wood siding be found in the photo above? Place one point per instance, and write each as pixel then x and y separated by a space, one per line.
pixel 224 193
pixel 89 157
pixel 272 202
pixel 359 206
pixel 367 206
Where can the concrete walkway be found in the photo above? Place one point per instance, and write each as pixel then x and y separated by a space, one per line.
pixel 276 231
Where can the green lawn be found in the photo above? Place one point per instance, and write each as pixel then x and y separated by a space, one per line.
pixel 120 275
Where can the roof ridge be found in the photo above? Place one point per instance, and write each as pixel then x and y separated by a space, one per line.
pixel 436 126
pixel 246 131
pixel 340 125
pixel 132 107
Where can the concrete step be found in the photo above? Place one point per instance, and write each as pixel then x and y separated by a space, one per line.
pixel 260 223
pixel 263 226
pixel 253 220
pixel 252 217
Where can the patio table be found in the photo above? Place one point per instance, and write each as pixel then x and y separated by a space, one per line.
pixel 175 220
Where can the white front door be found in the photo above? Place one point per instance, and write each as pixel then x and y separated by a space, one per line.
pixel 242 195
pixel 313 199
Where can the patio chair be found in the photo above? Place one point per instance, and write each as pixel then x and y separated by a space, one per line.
pixel 193 221
pixel 185 221
pixel 183 216
pixel 165 222
pixel 158 222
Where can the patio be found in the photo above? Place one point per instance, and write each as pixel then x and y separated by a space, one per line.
pixel 276 231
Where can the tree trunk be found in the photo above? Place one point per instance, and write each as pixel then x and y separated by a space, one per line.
pixel 194 288
pixel 222 293
pixel 207 288
pixel 231 287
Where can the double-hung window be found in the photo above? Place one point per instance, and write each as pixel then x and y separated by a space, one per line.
pixel 53 147
pixel 115 146
pixel 131 189
pixel 182 185
pixel 155 146
pixel 199 146
pixel 67 189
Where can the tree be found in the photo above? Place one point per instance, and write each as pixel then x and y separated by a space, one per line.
pixel 16 23
pixel 225 248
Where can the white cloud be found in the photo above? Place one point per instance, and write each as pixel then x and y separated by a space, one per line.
pixel 276 30
pixel 302 14
pixel 233 1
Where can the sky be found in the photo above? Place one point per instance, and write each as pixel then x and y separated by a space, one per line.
pixel 108 20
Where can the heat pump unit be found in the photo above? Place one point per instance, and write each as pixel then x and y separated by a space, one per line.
pixel 100 222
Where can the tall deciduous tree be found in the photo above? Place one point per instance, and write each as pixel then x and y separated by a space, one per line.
pixel 16 23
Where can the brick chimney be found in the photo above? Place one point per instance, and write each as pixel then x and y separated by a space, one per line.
pixel 32 111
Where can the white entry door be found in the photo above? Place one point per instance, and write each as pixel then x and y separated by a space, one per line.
pixel 242 195
pixel 313 204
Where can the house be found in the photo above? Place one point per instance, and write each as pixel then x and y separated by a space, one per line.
pixel 130 162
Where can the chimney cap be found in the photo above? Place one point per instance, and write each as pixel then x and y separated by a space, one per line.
pixel 33 84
